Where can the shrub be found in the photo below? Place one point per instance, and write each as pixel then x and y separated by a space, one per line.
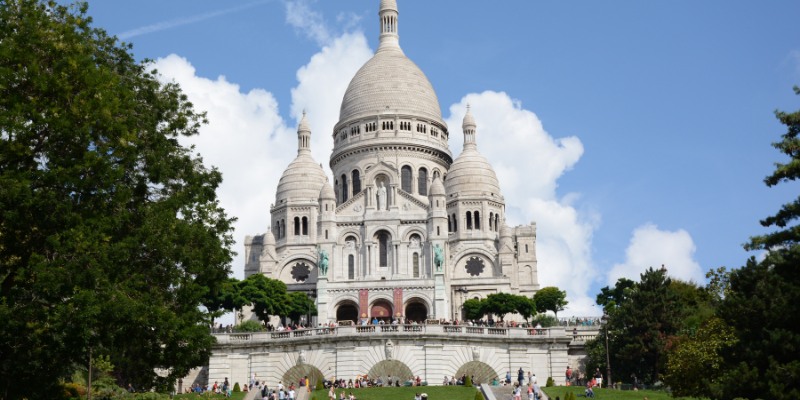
pixel 468 381
pixel 320 386
pixel 248 326
pixel 236 387
pixel 550 382
pixel 479 395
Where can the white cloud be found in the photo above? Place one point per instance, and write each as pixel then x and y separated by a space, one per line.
pixel 528 162
pixel 246 138
pixel 652 247
pixel 322 83
pixel 307 21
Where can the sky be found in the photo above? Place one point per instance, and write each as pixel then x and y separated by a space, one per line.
pixel 635 134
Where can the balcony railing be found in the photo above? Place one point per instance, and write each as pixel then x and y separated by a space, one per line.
pixel 394 330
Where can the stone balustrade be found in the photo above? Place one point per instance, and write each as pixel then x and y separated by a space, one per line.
pixel 362 331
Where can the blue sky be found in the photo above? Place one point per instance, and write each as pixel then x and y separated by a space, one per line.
pixel 634 133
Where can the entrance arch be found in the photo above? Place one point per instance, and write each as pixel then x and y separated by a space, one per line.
pixel 382 310
pixel 294 374
pixel 347 311
pixel 416 310
pixel 479 371
pixel 391 369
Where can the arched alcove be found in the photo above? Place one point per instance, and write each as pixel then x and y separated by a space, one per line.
pixel 479 371
pixel 391 368
pixel 294 374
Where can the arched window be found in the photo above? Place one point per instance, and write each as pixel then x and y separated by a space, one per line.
pixel 277 229
pixel 344 188
pixel 383 249
pixel 469 220
pixel 356 182
pixel 305 225
pixel 415 265
pixel 436 174
pixel 526 248
pixel 405 178
pixel 455 223
pixel 496 222
pixel 491 224
pixel 477 220
pixel 351 267
pixel 336 189
pixel 422 182
pixel 297 226
pixel 282 232
pixel 449 224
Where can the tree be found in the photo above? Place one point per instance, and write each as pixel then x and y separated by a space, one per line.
pixel 499 304
pixel 525 307
pixel 473 309
pixel 611 298
pixel 267 296
pixel 762 303
pixel 110 231
pixel 550 299
pixel 300 304
pixel 696 361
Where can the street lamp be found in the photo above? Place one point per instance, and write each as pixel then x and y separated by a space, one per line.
pixel 608 359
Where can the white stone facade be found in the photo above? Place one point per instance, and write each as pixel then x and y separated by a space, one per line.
pixel 407 233
pixel 397 195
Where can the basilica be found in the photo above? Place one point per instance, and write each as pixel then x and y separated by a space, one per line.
pixel 404 231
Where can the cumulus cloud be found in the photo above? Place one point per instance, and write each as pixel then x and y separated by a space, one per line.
pixel 246 138
pixel 653 247
pixel 307 21
pixel 528 162
pixel 321 86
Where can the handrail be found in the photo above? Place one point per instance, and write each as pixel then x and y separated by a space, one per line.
pixel 401 330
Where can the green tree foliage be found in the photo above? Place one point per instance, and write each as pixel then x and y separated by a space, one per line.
pixel 501 304
pixel 762 303
pixel 525 307
pixel 644 319
pixel 266 296
pixel 300 304
pixel 473 309
pixel 550 298
pixel 696 360
pixel 110 231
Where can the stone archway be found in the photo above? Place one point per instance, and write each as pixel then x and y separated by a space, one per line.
pixel 391 369
pixel 416 311
pixel 382 310
pixel 347 311
pixel 480 371
pixel 298 372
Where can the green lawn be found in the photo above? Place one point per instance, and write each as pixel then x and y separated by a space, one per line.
pixel 405 393
pixel 603 394
pixel 204 396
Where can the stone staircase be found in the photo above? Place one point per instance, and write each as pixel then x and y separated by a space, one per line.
pixel 506 392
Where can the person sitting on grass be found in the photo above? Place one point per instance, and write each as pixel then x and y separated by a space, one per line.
pixel 589 392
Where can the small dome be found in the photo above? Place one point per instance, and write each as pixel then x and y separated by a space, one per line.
pixel 471 174
pixel 327 192
pixel 505 231
pixel 302 180
pixel 269 239
pixel 388 5
pixel 469 120
pixel 437 188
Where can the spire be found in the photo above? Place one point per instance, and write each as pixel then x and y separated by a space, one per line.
pixel 469 127
pixel 303 135
pixel 388 13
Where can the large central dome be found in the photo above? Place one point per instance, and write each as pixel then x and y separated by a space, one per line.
pixel 390 82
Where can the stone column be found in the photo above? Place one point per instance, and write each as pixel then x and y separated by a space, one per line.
pixel 322 298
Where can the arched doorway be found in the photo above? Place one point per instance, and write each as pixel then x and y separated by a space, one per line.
pixel 479 371
pixel 391 368
pixel 416 311
pixel 347 312
pixel 301 371
pixel 382 310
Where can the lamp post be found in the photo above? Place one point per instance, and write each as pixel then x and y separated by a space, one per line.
pixel 608 358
